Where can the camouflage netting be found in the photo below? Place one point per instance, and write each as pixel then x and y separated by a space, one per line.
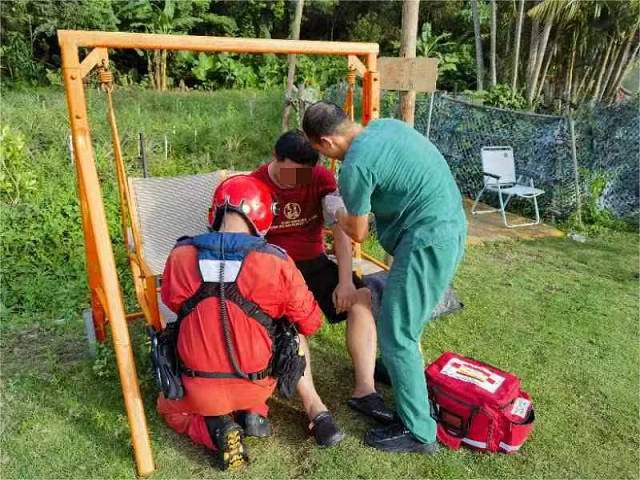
pixel 607 145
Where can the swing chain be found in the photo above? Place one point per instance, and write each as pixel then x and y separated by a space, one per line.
pixel 105 77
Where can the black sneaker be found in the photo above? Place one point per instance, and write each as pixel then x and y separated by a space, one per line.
pixel 397 438
pixel 325 430
pixel 227 436
pixel 254 424
pixel 373 406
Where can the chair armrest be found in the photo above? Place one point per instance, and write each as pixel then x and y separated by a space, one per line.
pixel 497 177
pixel 526 173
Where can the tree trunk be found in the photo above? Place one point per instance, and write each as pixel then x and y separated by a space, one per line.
pixel 157 71
pixel 535 73
pixel 589 81
pixel 479 57
pixel 572 65
pixel 408 39
pixel 603 67
pixel 295 35
pixel 533 48
pixel 163 69
pixel 150 57
pixel 585 76
pixel 621 64
pixel 516 49
pixel 628 61
pixel 494 27
pixel 552 53
pixel 613 61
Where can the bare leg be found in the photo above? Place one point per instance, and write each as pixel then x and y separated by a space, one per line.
pixel 361 343
pixel 311 401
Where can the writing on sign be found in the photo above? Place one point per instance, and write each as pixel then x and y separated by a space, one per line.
pixel 417 74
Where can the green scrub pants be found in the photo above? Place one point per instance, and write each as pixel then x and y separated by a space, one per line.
pixel 417 281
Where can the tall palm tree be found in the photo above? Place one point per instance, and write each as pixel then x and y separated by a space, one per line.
pixel 516 48
pixel 494 27
pixel 599 36
pixel 479 56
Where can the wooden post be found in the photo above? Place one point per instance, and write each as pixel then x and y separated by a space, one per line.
pixel 408 40
pixel 576 175
pixel 100 254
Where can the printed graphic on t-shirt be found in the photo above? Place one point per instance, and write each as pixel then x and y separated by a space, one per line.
pixel 291 210
pixel 298 222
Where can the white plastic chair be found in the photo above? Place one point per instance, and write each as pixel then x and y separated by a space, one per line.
pixel 499 170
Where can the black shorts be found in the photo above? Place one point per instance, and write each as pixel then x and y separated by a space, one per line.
pixel 321 275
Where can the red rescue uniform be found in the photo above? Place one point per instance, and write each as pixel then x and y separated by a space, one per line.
pixel 271 281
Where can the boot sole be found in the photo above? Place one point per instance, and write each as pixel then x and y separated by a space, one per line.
pixel 234 455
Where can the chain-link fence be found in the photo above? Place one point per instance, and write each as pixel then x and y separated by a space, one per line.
pixel 607 146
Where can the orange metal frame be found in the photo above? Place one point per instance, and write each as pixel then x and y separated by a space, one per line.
pixel 106 295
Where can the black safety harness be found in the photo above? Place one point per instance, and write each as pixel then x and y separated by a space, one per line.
pixel 212 289
pixel 287 363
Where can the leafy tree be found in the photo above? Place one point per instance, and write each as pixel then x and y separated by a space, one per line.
pixel 28 33
pixel 163 17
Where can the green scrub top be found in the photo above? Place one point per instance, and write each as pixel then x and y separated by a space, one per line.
pixel 398 174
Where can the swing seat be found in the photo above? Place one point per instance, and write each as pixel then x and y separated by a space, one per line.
pixel 167 208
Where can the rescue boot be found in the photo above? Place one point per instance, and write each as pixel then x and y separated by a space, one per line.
pixel 254 424
pixel 227 436
pixel 396 438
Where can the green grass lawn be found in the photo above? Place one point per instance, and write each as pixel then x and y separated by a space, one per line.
pixel 562 315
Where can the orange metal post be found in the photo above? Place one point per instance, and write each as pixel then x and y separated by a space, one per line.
pixel 217 44
pixel 93 269
pixel 103 280
pixel 108 279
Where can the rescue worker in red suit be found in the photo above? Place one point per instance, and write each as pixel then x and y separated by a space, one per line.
pixel 214 411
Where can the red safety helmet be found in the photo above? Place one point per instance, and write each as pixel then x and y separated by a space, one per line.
pixel 247 196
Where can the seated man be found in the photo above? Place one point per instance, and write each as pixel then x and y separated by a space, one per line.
pixel 299 186
pixel 225 347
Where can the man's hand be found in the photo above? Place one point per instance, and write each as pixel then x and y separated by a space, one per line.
pixel 344 296
pixel 331 203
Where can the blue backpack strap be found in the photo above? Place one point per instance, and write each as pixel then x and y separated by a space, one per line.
pixel 274 250
pixel 182 241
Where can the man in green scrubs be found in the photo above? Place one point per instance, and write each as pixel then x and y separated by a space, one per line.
pixel 393 171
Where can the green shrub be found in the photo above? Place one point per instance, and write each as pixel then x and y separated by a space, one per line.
pixel 16 179
pixel 41 241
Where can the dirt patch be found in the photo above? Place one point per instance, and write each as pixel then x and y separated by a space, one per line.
pixel 41 351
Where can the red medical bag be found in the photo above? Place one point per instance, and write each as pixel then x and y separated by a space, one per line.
pixel 478 405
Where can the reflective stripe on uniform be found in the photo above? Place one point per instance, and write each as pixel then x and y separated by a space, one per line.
pixel 210 270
